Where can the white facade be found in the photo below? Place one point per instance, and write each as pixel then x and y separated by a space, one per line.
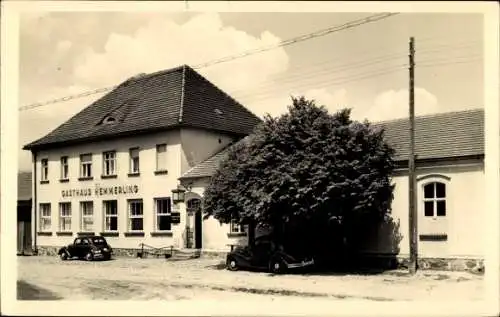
pixel 459 231
pixel 76 205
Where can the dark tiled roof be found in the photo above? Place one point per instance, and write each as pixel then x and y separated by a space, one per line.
pixel 24 186
pixel 438 136
pixel 207 168
pixel 163 100
pixel 443 135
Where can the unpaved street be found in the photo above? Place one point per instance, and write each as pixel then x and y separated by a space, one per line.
pixel 139 279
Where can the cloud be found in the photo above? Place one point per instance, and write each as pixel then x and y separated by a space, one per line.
pixel 162 44
pixel 393 104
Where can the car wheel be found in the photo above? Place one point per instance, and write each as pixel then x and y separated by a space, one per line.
pixel 89 256
pixel 276 266
pixel 231 264
pixel 63 256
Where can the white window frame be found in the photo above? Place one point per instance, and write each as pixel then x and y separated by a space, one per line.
pixel 63 217
pixel 435 199
pixel 159 161
pixel 86 166
pixel 64 167
pixel 130 203
pixel 236 228
pixel 134 159
pixel 107 215
pixel 109 163
pixel 160 213
pixel 44 169
pixel 45 217
pixel 83 216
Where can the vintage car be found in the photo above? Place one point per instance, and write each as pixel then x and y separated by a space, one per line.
pixel 264 255
pixel 88 248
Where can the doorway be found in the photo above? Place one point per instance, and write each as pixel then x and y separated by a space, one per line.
pixel 194 208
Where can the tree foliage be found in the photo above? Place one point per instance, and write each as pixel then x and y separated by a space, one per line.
pixel 306 168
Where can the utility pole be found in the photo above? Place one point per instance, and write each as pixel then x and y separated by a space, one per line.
pixel 411 166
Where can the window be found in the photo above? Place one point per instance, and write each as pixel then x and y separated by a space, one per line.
pixel 163 216
pixel 435 199
pixel 87 213
pixel 65 217
pixel 135 215
pixel 110 215
pixel 45 217
pixel 64 167
pixel 134 161
pixel 161 157
pixel 236 227
pixel 109 163
pixel 86 165
pixel 44 170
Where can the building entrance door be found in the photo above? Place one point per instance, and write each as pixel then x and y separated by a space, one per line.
pixel 194 209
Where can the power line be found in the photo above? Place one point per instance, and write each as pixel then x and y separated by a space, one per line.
pixel 348 25
pixel 326 71
pixel 451 63
pixel 331 82
pixel 323 32
pixel 67 98
pixel 271 95
pixel 318 81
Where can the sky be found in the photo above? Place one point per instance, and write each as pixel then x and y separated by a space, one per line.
pixel 362 68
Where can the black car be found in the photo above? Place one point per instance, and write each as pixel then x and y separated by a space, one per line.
pixel 88 248
pixel 265 255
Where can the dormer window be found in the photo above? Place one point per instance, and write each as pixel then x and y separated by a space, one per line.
pixel 109 120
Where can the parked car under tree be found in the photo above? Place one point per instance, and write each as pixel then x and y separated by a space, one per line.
pixel 88 248
pixel 264 255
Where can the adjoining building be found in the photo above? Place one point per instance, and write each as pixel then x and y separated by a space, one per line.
pixel 450 190
pixel 133 166
pixel 24 202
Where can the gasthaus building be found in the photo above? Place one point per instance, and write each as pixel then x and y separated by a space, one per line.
pixel 133 167
pixel 113 168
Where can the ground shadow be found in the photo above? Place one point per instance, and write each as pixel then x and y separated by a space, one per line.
pixel 27 291
pixel 374 249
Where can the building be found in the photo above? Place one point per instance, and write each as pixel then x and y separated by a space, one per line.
pixel 450 189
pixel 24 202
pixel 113 168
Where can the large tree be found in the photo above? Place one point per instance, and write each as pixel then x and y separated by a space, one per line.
pixel 305 173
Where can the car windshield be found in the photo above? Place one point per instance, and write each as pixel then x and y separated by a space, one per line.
pixel 98 241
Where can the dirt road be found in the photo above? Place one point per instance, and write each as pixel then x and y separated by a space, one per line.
pixel 139 279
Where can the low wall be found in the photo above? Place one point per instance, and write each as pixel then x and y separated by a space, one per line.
pixel 475 265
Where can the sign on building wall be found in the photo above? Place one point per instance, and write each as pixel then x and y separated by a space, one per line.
pixel 176 217
pixel 99 190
